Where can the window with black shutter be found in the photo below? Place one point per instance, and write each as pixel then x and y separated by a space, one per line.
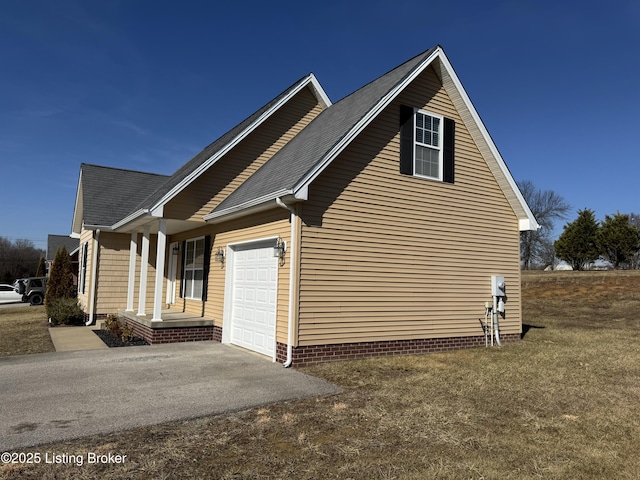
pixel 426 145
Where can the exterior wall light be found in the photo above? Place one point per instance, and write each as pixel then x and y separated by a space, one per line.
pixel 280 249
pixel 176 249
pixel 219 256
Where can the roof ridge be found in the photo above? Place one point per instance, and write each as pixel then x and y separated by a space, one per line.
pixel 333 123
pixel 192 165
pixel 83 164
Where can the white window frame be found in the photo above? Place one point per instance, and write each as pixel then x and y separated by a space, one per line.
pixel 438 148
pixel 190 295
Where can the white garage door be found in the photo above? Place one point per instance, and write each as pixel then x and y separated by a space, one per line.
pixel 253 323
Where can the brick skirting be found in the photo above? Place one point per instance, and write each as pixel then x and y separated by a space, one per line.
pixel 174 335
pixel 311 355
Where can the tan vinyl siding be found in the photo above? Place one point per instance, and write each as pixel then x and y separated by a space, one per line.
pixel 387 256
pixel 214 185
pixel 272 223
pixel 190 306
pixel 113 273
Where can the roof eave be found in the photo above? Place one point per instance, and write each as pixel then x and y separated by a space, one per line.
pixel 526 218
pixel 304 183
pixel 486 144
pixel 253 206
pixel 309 81
pixel 137 215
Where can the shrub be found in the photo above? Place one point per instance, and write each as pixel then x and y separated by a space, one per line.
pixel 60 283
pixel 65 311
pixel 118 329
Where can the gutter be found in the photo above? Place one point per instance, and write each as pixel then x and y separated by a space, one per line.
pixel 134 216
pixel 247 208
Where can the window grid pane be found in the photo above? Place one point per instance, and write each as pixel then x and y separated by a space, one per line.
pixel 427 162
pixel 194 269
pixel 427 130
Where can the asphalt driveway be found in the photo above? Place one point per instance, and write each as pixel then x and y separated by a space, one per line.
pixel 64 395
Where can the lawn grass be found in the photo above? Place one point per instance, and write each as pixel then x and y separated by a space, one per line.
pixel 24 330
pixel 561 404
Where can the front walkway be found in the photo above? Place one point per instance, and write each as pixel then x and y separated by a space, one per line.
pixel 69 339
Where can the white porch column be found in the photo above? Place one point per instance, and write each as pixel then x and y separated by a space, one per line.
pixel 133 250
pixel 160 254
pixel 144 267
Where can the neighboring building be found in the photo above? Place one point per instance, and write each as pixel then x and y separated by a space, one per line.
pixel 55 242
pixel 388 212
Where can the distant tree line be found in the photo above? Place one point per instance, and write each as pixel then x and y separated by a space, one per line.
pixel 616 240
pixel 19 259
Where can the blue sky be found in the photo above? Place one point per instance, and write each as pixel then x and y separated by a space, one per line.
pixel 146 85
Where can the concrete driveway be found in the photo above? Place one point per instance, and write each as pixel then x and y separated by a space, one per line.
pixel 64 395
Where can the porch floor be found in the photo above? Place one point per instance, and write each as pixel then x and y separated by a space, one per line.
pixel 170 319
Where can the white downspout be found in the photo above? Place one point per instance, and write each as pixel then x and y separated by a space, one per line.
pixel 292 269
pixel 94 280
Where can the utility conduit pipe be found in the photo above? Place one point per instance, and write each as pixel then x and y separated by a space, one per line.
pixel 495 325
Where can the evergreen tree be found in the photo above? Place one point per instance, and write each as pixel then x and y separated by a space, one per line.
pixel 618 240
pixel 577 244
pixel 60 283
pixel 42 268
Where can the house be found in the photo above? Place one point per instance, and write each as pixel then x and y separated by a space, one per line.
pixel 55 242
pixel 314 231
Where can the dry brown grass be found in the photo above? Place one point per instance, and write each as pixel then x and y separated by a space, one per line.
pixel 560 404
pixel 24 330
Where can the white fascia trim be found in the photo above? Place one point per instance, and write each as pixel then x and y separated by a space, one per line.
pixel 525 224
pixel 252 206
pixel 309 80
pixel 364 122
pixel 76 205
pixel 528 223
pixel 319 91
pixel 134 216
pixel 106 228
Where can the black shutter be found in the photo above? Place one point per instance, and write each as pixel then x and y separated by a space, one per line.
pixel 205 270
pixel 448 150
pixel 184 252
pixel 406 140
pixel 85 250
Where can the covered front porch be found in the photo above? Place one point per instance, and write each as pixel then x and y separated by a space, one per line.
pixel 175 326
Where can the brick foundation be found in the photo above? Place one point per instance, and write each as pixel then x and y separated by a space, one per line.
pixel 174 335
pixel 311 355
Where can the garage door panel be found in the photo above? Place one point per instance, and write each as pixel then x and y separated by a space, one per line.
pixel 254 299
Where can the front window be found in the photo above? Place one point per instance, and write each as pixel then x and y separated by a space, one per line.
pixel 428 145
pixel 194 268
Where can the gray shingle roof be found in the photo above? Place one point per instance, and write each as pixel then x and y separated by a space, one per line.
pixel 58 241
pixel 192 165
pixel 110 194
pixel 296 159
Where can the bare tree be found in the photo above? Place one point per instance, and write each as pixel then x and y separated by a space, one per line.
pixel 18 259
pixel 547 206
